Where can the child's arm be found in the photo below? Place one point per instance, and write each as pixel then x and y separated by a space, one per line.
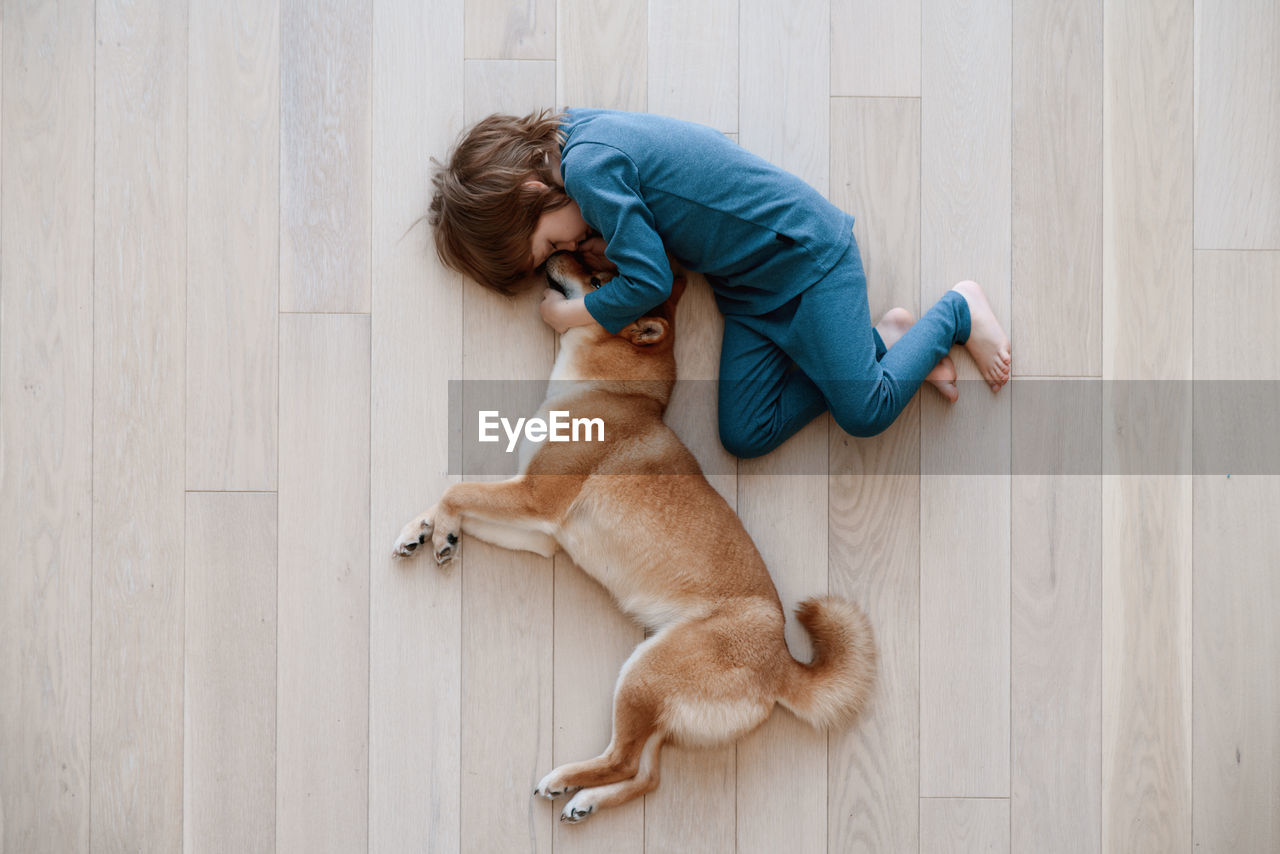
pixel 560 313
pixel 605 184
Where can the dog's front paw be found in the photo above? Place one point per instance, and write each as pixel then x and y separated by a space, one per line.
pixel 413 535
pixel 551 787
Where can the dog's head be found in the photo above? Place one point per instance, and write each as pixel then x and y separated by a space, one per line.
pixel 569 274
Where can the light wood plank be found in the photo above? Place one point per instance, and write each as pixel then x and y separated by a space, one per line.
pixel 1237 130
pixel 1236 747
pixel 1057 188
pixel 1146 551
pixel 325 175
pixel 874 767
pixel 1056 662
pixel 140 265
pixel 602 54
pixel 784 86
pixel 877 48
pixel 693 61
pixel 415 635
pixel 964 514
pixel 508 613
pixel 46 424
pixel 322 694
pixel 1237 303
pixel 498 86
pixel 1056 654
pixel 495 29
pixel 1237 646
pixel 964 825
pixel 229 769
pixel 782 498
pixel 233 264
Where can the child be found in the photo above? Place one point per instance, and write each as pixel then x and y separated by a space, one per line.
pixel 626 188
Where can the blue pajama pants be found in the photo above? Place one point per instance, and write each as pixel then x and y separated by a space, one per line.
pixel 820 351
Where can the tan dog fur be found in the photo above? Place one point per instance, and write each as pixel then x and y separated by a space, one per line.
pixel 636 513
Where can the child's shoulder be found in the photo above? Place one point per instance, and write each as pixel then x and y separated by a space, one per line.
pixel 639 135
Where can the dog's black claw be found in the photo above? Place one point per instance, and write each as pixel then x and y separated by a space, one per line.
pixel 422 538
pixel 452 538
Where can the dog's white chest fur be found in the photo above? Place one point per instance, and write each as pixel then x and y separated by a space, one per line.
pixel 564 375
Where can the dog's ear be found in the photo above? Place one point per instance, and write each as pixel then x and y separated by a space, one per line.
pixel 646 331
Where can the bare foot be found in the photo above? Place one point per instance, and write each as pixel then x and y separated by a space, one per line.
pixel 987 344
pixel 893 325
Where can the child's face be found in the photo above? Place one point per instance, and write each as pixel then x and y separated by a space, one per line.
pixel 562 228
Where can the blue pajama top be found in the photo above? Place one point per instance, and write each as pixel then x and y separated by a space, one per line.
pixel 651 184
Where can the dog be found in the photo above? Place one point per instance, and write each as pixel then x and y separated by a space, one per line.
pixel 636 513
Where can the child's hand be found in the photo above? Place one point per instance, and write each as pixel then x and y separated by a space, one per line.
pixel 593 253
pixel 561 314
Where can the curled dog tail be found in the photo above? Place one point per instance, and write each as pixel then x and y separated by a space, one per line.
pixel 832 689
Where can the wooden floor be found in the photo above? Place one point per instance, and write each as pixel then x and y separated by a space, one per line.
pixel 223 389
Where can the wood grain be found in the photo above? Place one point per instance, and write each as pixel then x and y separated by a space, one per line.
pixel 46 424
pixel 325 171
pixel 876 48
pixel 1057 188
pixel 233 261
pixel 1236 738
pixel 964 825
pixel 784 84
pixel 1147 518
pixel 322 693
pixel 229 767
pixel 1055 522
pixel 140 231
pixel 693 61
pixel 498 30
pixel 415 632
pixel 1056 662
pixel 602 53
pixel 1237 125
pixel 964 515
pixel 874 767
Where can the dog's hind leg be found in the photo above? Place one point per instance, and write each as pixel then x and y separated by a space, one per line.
pixel 635 731
pixel 588 800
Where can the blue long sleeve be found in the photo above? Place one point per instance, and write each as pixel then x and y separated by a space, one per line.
pixel 605 184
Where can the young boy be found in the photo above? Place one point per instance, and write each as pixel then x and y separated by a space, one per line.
pixel 627 188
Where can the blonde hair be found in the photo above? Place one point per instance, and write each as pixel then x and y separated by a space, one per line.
pixel 482 214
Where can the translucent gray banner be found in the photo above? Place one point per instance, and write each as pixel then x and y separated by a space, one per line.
pixel 1032 426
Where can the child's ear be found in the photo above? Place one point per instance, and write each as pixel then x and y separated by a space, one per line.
pixel 534 185
pixel 646 331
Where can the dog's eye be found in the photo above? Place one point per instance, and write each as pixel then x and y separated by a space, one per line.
pixel 595 281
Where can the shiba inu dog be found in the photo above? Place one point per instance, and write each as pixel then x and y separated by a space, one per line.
pixel 635 512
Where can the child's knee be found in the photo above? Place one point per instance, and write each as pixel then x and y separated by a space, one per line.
pixel 859 421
